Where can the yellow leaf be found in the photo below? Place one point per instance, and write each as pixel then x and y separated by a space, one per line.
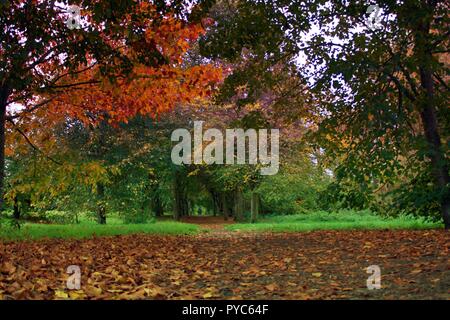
pixel 61 294
pixel 139 294
pixel 115 290
pixel 154 292
pixel 317 274
pixel 93 291
pixel 79 294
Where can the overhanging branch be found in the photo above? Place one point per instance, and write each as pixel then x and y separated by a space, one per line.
pixel 31 143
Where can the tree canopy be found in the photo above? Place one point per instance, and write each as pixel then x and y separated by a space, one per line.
pixel 362 109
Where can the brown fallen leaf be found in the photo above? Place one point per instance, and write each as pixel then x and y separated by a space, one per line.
pixel 93 291
pixel 271 287
pixel 161 272
pixel 155 292
pixel 8 268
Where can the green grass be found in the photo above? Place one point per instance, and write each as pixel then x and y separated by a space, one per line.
pixel 320 220
pixel 86 229
pixel 341 220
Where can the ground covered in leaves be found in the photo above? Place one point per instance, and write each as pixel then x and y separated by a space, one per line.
pixel 228 265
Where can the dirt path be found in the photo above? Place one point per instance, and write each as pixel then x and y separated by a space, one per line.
pixel 208 223
pixel 314 265
pixel 212 227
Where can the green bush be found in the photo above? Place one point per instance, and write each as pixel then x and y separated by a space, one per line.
pixel 290 193
pixel 136 216
pixel 60 217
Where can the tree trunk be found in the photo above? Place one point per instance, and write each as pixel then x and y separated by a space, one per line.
pixel 238 205
pixel 226 209
pixel 217 205
pixel 16 212
pixel 254 207
pixel 180 205
pixel 101 207
pixel 428 115
pixel 176 203
pixel 157 206
pixel 4 93
pixel 436 154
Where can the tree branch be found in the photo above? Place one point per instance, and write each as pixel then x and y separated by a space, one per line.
pixel 31 143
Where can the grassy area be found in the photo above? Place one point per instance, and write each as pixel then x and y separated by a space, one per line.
pixel 342 220
pixel 321 220
pixel 88 229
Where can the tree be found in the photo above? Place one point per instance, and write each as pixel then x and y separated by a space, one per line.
pixel 91 73
pixel 387 83
pixel 263 89
pixel 383 91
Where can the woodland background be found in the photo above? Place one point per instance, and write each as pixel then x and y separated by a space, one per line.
pixel 86 114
